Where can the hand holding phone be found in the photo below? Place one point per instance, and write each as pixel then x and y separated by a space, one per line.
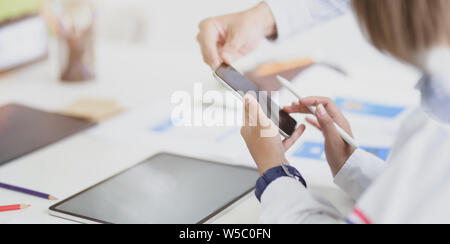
pixel 237 83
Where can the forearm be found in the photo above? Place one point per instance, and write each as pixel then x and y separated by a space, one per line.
pixel 294 16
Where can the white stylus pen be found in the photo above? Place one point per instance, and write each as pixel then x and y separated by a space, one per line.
pixel 347 138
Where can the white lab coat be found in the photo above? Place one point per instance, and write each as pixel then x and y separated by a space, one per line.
pixel 413 186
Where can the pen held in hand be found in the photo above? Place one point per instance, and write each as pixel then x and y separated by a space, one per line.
pixel 345 136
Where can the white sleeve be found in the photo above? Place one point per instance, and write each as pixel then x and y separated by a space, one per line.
pixel 358 173
pixel 287 201
pixel 294 16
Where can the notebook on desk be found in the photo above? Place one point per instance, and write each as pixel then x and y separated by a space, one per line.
pixel 24 130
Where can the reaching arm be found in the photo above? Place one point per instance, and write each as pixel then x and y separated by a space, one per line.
pixel 225 39
pixel 294 16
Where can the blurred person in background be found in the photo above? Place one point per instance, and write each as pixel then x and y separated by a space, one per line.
pixel 414 185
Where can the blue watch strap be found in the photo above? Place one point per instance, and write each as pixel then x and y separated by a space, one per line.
pixel 274 173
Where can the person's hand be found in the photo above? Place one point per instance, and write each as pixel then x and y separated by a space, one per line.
pixel 262 137
pixel 224 39
pixel 336 149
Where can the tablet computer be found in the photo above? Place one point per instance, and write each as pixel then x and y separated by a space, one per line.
pixel 24 130
pixel 165 189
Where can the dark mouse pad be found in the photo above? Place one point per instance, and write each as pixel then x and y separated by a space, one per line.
pixel 24 130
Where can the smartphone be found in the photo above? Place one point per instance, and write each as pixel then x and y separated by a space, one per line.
pixel 236 82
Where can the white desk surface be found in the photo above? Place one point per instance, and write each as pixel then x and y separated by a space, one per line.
pixel 147 74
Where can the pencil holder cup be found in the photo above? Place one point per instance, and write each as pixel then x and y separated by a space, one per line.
pixel 76 39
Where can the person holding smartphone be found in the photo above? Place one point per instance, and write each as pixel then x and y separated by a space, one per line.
pixel 414 185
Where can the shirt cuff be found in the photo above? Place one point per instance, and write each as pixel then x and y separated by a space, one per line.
pixel 273 174
pixel 358 173
pixel 295 16
pixel 291 17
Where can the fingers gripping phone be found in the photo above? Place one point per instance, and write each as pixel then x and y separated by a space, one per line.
pixel 236 82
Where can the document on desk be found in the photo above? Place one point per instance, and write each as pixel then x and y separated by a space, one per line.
pixel 154 126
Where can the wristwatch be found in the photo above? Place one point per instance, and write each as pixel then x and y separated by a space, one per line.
pixel 274 173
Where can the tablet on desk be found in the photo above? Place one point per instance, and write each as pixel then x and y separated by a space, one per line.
pixel 24 130
pixel 165 189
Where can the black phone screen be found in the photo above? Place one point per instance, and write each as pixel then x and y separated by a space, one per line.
pixel 242 85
